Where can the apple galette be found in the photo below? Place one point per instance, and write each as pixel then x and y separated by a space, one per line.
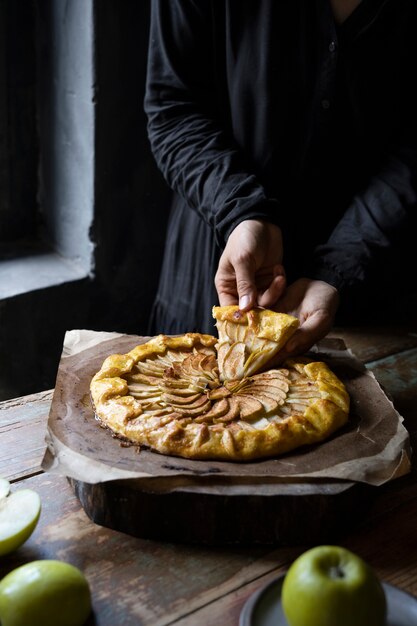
pixel 202 397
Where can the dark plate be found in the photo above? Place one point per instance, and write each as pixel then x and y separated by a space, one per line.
pixel 264 608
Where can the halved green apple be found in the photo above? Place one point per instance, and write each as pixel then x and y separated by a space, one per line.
pixel 4 488
pixel 19 514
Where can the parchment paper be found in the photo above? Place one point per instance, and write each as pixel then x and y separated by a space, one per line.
pixel 372 448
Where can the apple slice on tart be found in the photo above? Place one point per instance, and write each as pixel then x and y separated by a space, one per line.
pixel 200 397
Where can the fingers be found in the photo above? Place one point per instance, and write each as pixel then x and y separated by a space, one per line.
pixel 274 290
pixel 314 328
pixel 244 291
pixel 249 271
pixel 284 305
pixel 245 285
pixel 227 299
pixel 235 284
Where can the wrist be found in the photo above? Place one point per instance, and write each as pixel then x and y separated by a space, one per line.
pixel 263 212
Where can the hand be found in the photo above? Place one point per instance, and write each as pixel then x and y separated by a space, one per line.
pixel 315 303
pixel 250 271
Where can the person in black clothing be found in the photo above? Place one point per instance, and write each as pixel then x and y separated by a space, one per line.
pixel 287 130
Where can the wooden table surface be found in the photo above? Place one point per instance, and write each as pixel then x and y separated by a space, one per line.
pixel 142 582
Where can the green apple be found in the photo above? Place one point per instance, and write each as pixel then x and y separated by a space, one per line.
pixel 19 514
pixel 331 586
pixel 44 593
pixel 4 488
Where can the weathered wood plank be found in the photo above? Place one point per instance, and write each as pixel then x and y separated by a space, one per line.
pixel 390 546
pixel 398 375
pixel 136 581
pixel 370 344
pixel 22 434
pixel 226 610
pixel 158 584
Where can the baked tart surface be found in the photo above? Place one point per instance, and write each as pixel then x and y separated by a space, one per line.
pixel 202 397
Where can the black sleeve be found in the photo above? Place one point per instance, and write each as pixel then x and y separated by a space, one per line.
pixel 189 137
pixel 377 222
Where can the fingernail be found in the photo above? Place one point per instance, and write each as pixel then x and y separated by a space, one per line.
pixel 244 302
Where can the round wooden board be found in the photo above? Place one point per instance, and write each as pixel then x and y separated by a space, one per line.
pixel 287 514
pixel 181 500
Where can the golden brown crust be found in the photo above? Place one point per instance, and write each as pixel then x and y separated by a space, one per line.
pixel 168 394
pixel 265 324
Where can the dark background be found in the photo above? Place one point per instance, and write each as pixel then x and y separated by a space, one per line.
pixel 131 199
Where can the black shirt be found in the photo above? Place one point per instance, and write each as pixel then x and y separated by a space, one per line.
pixel 266 109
